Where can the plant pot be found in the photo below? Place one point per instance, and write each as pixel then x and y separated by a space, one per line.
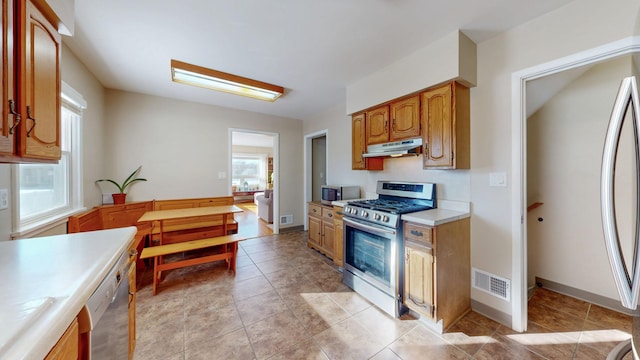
pixel 119 198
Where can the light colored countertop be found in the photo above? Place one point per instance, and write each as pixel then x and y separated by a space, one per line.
pixel 435 217
pixel 46 281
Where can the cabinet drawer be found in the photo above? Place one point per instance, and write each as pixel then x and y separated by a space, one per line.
pixel 417 233
pixel 315 210
pixel 337 213
pixel 327 213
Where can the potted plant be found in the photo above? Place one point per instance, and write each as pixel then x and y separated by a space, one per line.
pixel 119 198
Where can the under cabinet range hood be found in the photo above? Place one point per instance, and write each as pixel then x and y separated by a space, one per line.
pixel 395 149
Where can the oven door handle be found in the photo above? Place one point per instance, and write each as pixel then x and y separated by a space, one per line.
pixel 361 225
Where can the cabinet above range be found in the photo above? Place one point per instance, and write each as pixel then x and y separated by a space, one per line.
pixel 437 117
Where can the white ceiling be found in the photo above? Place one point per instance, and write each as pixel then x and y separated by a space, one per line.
pixel 313 48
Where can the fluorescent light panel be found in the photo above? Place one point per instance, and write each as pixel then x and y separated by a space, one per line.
pixel 189 74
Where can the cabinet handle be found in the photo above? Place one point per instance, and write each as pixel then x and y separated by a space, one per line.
pixel 393 124
pixel 386 126
pixel 32 119
pixel 417 233
pixel 12 111
pixel 330 215
pixel 426 148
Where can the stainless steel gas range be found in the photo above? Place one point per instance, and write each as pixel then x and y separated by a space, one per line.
pixel 373 245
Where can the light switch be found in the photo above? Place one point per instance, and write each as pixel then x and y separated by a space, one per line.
pixel 498 179
pixel 4 199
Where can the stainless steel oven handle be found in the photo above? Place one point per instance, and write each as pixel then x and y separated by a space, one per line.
pixel 372 228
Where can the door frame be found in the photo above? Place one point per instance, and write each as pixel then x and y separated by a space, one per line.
pixel 519 81
pixel 276 178
pixel 308 168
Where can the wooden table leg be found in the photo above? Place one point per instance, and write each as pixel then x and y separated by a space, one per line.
pixel 234 252
pixel 155 274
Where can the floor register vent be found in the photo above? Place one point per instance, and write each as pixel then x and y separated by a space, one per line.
pixel 491 284
pixel 286 219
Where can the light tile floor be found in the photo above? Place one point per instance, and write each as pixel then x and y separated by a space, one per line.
pixel 288 302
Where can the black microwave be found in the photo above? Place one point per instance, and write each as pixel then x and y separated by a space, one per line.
pixel 339 192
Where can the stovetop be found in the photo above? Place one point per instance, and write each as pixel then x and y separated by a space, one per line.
pixel 394 199
pixel 391 206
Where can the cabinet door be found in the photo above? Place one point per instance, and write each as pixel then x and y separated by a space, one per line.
pixel 315 234
pixel 405 119
pixel 358 142
pixel 437 127
pixel 7 75
pixel 359 146
pixel 67 347
pixel 40 95
pixel 378 125
pixel 132 307
pixel 338 243
pixel 418 280
pixel 328 238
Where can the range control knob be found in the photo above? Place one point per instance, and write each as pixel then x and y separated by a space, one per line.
pixel 364 213
pixel 376 217
pixel 385 218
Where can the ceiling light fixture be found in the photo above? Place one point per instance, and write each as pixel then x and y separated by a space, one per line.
pixel 189 74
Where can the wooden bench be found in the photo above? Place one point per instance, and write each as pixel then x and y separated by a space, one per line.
pixel 114 216
pixel 187 229
pixel 230 243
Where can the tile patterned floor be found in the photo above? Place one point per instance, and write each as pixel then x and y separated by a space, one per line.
pixel 288 302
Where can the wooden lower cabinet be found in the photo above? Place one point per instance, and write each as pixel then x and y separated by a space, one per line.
pixel 67 348
pixel 321 228
pixel 437 278
pixel 338 240
pixel 132 304
pixel 418 279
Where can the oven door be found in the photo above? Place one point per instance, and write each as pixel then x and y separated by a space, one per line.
pixel 370 253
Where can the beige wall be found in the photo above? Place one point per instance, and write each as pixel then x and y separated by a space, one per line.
pixel 182 146
pixel 75 74
pixel 564 151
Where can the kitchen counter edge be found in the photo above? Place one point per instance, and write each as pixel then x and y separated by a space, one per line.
pixel 42 333
pixel 435 217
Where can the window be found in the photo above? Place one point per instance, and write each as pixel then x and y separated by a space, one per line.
pixel 48 193
pixel 249 171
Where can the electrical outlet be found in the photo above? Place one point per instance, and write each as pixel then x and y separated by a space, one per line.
pixel 4 199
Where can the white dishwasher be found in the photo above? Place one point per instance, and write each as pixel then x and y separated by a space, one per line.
pixel 109 312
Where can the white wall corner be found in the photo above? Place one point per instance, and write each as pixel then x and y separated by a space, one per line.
pixel 468 60
pixel 453 57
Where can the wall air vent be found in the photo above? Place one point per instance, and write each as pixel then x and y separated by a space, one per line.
pixel 286 219
pixel 491 284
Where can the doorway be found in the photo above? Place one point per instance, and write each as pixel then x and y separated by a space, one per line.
pixel 315 167
pixel 520 82
pixel 253 177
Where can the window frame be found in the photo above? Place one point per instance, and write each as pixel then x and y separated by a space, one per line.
pixel 32 225
pixel 263 158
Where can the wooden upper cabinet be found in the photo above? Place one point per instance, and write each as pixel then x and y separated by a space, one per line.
pixel 445 127
pixel 405 119
pixel 30 95
pixel 7 146
pixel 359 146
pixel 377 125
pixel 398 121
pixel 40 93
